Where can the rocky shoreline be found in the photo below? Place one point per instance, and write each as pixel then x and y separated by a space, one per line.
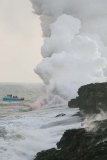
pixel 90 141
pixel 92 98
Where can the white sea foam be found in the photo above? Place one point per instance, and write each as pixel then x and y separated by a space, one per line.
pixel 21 137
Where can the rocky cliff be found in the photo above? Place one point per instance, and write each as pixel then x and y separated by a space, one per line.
pixel 79 144
pixel 88 143
pixel 91 98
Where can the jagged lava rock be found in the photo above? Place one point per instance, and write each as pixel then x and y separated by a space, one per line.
pixel 61 115
pixel 82 144
pixel 92 98
pixel 79 144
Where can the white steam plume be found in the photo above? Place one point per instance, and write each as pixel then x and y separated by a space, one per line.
pixel 74 49
pixel 92 13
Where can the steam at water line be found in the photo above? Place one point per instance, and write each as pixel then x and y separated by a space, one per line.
pixel 74 51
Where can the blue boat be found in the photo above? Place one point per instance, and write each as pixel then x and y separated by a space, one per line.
pixel 10 98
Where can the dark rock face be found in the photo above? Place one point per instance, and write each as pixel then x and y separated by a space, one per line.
pixel 78 144
pixel 61 115
pixel 92 98
pixel 73 103
pixel 51 154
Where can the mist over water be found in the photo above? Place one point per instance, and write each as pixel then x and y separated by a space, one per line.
pixel 74 50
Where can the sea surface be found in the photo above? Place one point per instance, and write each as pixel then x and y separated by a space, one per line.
pixel 24 130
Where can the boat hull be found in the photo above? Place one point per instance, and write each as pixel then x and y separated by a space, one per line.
pixel 12 99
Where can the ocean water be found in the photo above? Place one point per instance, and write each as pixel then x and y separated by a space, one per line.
pixel 24 131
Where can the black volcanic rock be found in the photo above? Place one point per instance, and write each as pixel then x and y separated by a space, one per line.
pixel 51 154
pixel 82 144
pixel 79 144
pixel 61 115
pixel 73 103
pixel 92 98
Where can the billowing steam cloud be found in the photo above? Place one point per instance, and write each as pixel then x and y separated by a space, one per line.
pixel 74 48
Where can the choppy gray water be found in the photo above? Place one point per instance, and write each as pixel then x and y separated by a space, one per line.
pixel 30 92
pixel 25 131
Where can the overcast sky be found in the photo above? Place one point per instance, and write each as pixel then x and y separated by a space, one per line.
pixel 20 41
